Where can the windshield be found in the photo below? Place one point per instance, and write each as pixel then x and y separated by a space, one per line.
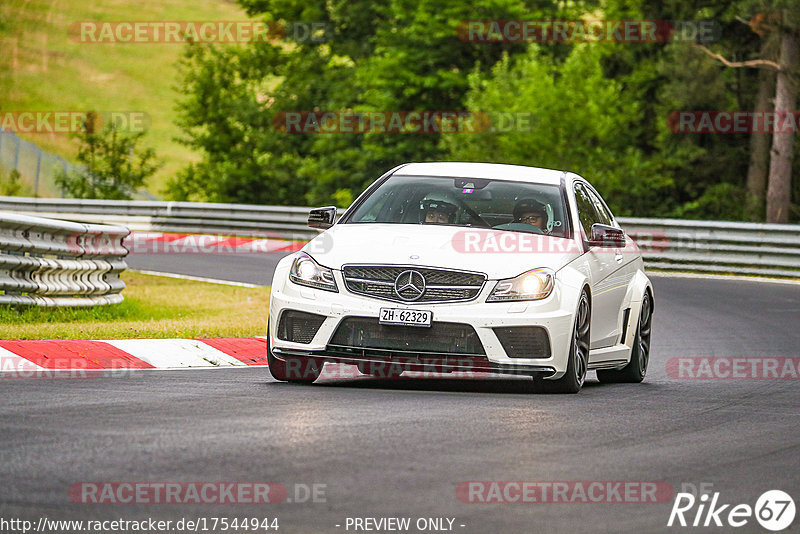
pixel 467 202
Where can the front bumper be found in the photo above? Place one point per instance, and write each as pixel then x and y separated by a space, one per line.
pixel 555 314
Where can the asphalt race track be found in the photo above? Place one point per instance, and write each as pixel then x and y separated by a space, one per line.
pixel 401 448
pixel 241 267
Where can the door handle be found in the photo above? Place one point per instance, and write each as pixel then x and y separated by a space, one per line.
pixel 618 257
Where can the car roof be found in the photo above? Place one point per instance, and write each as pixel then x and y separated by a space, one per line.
pixel 496 171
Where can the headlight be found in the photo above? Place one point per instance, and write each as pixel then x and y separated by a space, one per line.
pixel 532 285
pixel 306 272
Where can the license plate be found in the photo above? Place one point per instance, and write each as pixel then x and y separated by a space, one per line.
pixel 405 317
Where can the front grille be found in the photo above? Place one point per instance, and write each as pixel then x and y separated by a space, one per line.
pixel 524 341
pixel 441 285
pixel 442 338
pixel 299 327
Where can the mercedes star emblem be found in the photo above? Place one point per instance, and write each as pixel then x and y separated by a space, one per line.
pixel 409 285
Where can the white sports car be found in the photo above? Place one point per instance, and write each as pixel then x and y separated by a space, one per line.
pixel 474 267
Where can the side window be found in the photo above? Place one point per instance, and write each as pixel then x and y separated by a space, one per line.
pixel 603 214
pixel 375 210
pixel 586 210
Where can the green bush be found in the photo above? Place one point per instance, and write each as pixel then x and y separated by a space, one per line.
pixel 13 186
pixel 115 166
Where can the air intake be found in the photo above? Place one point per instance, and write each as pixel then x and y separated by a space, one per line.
pixel 524 341
pixel 299 327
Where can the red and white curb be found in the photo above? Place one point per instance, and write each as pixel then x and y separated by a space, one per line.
pixel 88 359
pixel 168 243
pixel 26 357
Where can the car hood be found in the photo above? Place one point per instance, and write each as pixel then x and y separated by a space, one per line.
pixel 499 254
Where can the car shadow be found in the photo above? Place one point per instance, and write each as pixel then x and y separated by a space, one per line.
pixel 503 385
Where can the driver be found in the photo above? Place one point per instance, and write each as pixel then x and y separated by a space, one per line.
pixel 438 212
pixel 530 211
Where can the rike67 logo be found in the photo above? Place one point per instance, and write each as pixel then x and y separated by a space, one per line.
pixel 774 510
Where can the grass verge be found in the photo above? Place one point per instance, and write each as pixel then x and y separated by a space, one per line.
pixel 154 307
pixel 42 68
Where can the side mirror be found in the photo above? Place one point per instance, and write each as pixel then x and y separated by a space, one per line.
pixel 322 218
pixel 606 236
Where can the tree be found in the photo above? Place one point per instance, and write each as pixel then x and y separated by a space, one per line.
pixel 780 20
pixel 600 109
pixel 782 153
pixel 115 168
pixel 385 56
pixel 566 115
pixel 757 171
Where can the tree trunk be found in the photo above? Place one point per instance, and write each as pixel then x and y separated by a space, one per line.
pixel 780 166
pixel 759 150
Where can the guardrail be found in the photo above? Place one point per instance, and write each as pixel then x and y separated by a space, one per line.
pixel 180 217
pixel 714 246
pixel 47 262
pixel 667 244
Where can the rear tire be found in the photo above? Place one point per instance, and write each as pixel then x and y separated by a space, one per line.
pixel 635 371
pixel 573 379
pixel 298 370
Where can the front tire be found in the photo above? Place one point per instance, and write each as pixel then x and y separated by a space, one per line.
pixel 296 370
pixel 634 372
pixel 578 362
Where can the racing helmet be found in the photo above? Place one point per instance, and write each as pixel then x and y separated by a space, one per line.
pixel 431 204
pixel 531 205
